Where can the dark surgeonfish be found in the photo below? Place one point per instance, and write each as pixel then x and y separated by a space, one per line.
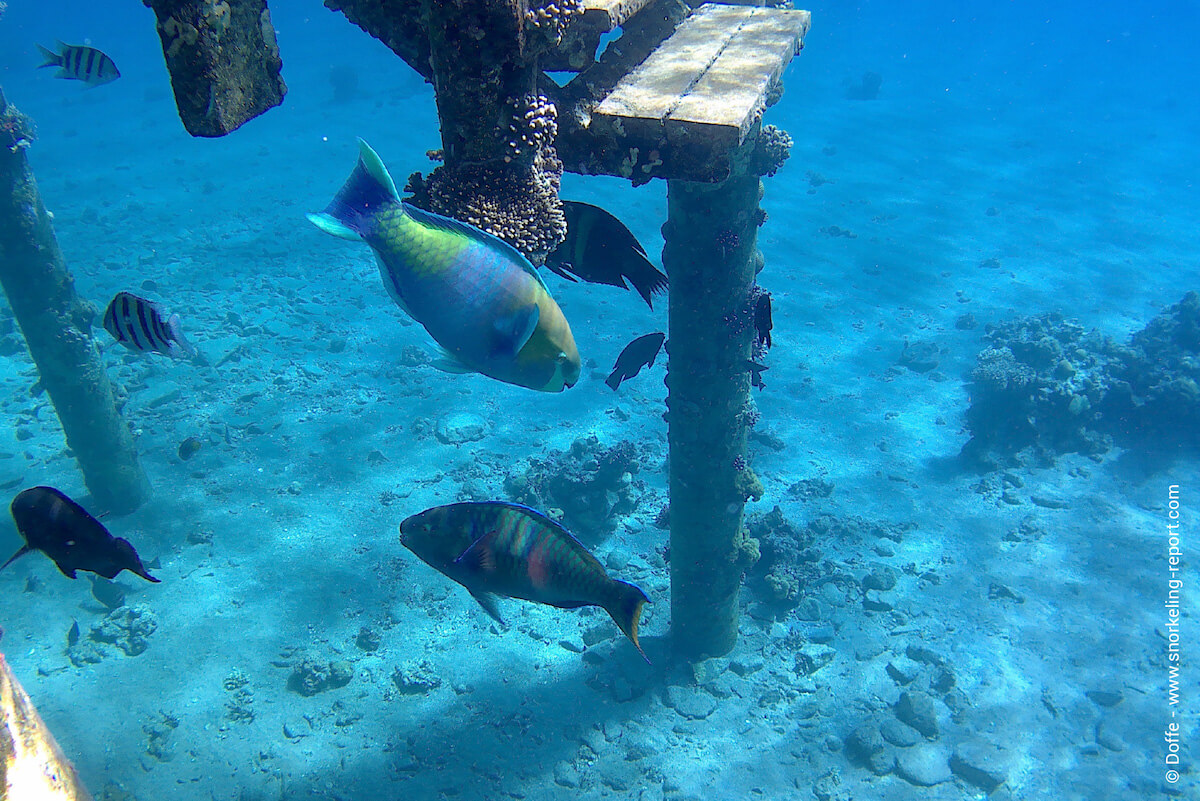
pixel 54 524
pixel 139 325
pixel 497 548
pixel 762 321
pixel 639 353
pixel 80 63
pixel 600 250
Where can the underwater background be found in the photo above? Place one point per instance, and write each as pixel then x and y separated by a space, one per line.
pixel 971 190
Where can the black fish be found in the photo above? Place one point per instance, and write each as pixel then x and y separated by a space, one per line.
pixel 139 325
pixel 762 321
pixel 756 371
pixel 54 524
pixel 639 353
pixel 80 63
pixel 188 448
pixel 601 250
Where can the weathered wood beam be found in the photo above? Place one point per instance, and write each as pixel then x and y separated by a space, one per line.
pixel 223 59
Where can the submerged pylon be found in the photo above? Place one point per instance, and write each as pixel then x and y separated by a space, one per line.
pixel 57 326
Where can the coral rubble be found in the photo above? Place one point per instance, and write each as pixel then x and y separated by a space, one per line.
pixel 1045 387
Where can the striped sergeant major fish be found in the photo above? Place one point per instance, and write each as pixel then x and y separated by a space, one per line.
pixel 496 548
pixel 141 326
pixel 80 63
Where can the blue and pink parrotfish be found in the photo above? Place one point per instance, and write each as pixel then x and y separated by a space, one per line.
pixel 498 548
pixel 476 295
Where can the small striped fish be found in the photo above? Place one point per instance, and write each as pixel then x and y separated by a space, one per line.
pixel 498 548
pixel 80 63
pixel 140 326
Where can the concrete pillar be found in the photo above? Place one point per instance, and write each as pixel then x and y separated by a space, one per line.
pixel 711 257
pixel 57 327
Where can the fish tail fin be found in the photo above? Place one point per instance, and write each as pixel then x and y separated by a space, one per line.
pixel 647 279
pixel 24 550
pixel 626 610
pixel 180 346
pixel 351 213
pixel 52 59
pixel 614 379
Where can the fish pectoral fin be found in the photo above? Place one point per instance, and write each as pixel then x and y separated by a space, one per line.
pixel 480 557
pixel 488 602
pixel 515 329
pixel 24 550
pixel 447 362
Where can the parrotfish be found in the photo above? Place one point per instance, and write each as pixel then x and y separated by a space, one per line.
pixel 601 250
pixel 476 295
pixel 497 548
pixel 639 353
pixel 54 524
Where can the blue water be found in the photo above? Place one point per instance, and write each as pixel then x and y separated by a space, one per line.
pixel 1018 159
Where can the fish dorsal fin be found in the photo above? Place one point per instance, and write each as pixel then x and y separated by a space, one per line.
pixel 452 225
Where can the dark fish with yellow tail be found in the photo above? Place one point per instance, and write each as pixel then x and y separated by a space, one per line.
pixel 80 63
pixel 639 353
pixel 54 524
pixel 476 295
pixel 599 249
pixel 497 548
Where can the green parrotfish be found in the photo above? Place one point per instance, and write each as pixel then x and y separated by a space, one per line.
pixel 476 295
pixel 497 548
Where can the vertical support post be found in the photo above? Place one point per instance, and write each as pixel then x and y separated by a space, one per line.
pixel 57 326
pixel 501 172
pixel 223 59
pixel 711 256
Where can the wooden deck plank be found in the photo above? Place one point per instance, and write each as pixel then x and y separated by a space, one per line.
pixel 610 14
pixel 732 92
pixel 652 90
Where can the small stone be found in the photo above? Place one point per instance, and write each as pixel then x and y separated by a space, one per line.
pixel 876 601
pixel 863 742
pixel 416 677
pixel 566 775
pixel 1104 698
pixel 1108 738
pixel 460 428
pixel 812 657
pixel 924 766
pixel 919 711
pixel 691 703
pixel 903 670
pixel 981 763
pixel 899 734
pixel 881 577
pixel 1047 501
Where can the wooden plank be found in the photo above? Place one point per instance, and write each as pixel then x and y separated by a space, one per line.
pixel 610 14
pixel 732 93
pixel 650 92
pixel 577 50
